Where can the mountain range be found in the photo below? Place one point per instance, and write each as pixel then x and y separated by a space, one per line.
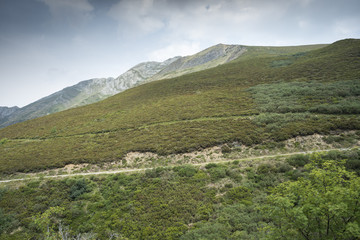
pixel 265 96
pixel 94 90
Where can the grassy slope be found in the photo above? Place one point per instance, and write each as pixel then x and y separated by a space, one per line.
pixel 188 112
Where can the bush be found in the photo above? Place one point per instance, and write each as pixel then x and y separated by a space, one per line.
pixel 210 165
pixel 217 173
pixel 238 194
pixel 298 160
pixel 265 168
pixel 234 174
pixel 284 167
pixel 3 141
pixel 5 222
pixel 78 188
pixel 154 173
pixel 186 171
pixel 225 149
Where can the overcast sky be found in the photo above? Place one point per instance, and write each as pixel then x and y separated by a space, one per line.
pixel 46 45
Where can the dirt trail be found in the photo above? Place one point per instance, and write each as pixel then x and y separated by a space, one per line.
pixel 144 169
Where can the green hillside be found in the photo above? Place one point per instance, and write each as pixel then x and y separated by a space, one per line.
pixel 268 94
pixel 271 199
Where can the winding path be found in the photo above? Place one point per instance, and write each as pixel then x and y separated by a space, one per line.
pixel 144 169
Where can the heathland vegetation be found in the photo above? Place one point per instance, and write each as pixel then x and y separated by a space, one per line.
pixel 268 94
pixel 301 197
pixel 259 101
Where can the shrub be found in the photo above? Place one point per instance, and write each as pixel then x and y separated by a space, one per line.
pixel 284 167
pixel 217 173
pixel 265 168
pixel 186 171
pixel 238 194
pixel 210 165
pixel 3 141
pixel 234 174
pixel 78 188
pixel 298 160
pixel 225 149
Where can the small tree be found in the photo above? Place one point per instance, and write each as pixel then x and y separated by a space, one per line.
pixel 326 205
pixel 49 221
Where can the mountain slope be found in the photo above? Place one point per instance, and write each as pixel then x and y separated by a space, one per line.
pixel 208 58
pixel 251 100
pixel 5 112
pixel 85 92
pixel 94 90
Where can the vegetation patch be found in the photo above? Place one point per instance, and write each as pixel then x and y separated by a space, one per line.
pixel 188 202
pixel 341 97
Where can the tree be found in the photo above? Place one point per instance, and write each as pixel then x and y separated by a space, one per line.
pixel 49 221
pixel 325 205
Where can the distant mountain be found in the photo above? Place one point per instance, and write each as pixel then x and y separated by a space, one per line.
pixel 84 93
pixel 5 112
pixel 208 58
pixel 94 90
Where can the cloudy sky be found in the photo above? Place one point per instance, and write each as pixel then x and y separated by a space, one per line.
pixel 46 45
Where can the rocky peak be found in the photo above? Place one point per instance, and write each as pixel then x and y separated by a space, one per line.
pixel 7 111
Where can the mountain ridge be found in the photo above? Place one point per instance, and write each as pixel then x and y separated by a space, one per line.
pixel 97 89
pixel 257 99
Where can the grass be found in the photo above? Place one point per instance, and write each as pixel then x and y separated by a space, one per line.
pixel 265 95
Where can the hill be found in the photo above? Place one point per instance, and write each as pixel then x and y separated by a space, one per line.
pixel 94 90
pixel 268 94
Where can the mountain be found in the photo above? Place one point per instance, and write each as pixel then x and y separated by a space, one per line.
pixel 5 112
pixel 208 58
pixel 94 90
pixel 268 95
pixel 85 92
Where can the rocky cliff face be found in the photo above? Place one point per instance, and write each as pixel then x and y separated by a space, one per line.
pixel 94 90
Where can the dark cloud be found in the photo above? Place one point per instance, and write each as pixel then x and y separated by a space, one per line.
pixel 73 40
pixel 22 16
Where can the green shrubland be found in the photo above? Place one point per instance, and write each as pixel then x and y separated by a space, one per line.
pixel 218 201
pixel 267 95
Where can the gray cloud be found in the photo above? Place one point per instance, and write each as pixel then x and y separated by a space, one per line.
pixel 73 12
pixel 56 43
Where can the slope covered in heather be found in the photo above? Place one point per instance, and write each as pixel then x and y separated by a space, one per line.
pixel 256 98
pixel 94 90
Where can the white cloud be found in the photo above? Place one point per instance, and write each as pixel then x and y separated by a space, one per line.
pixel 136 17
pixel 208 21
pixel 347 27
pixel 176 49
